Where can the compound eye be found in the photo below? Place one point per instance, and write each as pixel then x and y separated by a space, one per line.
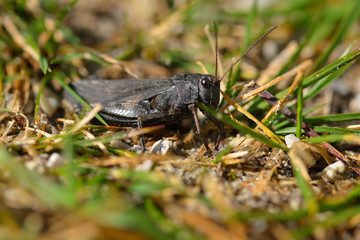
pixel 206 82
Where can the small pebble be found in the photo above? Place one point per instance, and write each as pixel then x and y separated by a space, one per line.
pixel 145 166
pixel 355 103
pixel 333 172
pixel 49 102
pixel 137 149
pixel 290 139
pixel 120 145
pixel 162 146
pixel 55 161
pixel 34 166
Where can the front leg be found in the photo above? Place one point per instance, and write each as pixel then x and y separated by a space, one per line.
pixel 193 108
pixel 140 126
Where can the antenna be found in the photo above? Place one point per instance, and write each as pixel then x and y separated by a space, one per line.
pixel 242 56
pixel 216 52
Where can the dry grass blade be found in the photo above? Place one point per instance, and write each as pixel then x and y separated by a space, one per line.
pixel 26 132
pixel 182 163
pixel 99 144
pixel 275 65
pixel 282 102
pixel 206 226
pixel 352 138
pixel 90 115
pixel 145 130
pixel 356 127
pixel 265 129
pixel 162 29
pixel 202 67
pixel 300 68
pixel 40 132
pixel 263 182
pixel 112 60
pixel 130 160
pixel 18 38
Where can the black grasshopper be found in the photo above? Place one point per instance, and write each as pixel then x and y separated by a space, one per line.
pixel 146 102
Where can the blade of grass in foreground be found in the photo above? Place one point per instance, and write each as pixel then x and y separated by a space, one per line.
pixel 282 216
pixel 337 203
pixel 133 219
pixel 59 197
pixel 336 218
pixel 49 192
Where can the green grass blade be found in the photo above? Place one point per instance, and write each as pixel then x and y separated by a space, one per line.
pixel 318 129
pixel 317 120
pixel 311 30
pixel 249 25
pixel 331 68
pixel 234 75
pixel 299 111
pixel 1 82
pixel 223 153
pixel 286 122
pixel 38 97
pixel 320 85
pixel 6 110
pixel 62 14
pixel 132 219
pixel 317 76
pixel 77 97
pixel 283 216
pixel 335 218
pixel 226 119
pixel 51 193
pixel 327 138
pixel 345 25
pixel 305 186
pixel 44 64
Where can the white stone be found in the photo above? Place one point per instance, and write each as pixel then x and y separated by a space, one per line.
pixel 290 139
pixel 333 172
pixel 55 161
